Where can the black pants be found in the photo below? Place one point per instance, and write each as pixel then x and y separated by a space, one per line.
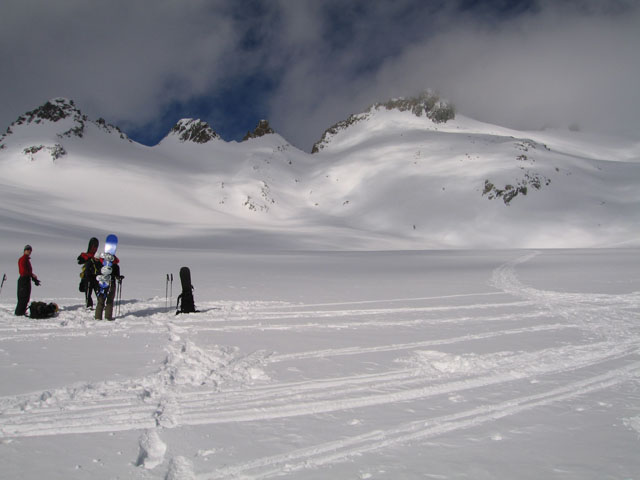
pixel 24 294
pixel 90 287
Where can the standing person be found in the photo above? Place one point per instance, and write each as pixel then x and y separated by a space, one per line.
pixel 90 269
pixel 24 282
pixel 105 300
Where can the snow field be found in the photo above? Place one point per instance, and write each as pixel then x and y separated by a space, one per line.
pixel 336 365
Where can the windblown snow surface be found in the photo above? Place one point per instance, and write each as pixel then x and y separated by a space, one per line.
pixel 441 364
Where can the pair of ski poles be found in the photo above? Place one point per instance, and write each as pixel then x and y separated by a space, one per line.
pixel 168 294
pixel 4 279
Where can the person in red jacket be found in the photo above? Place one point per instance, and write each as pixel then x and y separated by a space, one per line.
pixel 24 282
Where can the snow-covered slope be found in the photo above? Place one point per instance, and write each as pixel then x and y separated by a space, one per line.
pixel 384 179
pixel 469 184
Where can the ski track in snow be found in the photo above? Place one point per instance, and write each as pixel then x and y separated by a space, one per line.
pixel 194 386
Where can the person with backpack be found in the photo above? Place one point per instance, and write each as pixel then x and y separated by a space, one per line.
pixel 90 269
pixel 24 282
pixel 105 299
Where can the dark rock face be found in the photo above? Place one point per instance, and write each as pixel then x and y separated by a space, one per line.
pixel 334 129
pixel 261 130
pixel 55 111
pixel 196 131
pixel 59 109
pixel 52 111
pixel 427 103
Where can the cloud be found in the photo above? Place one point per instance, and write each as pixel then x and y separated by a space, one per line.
pixel 306 64
pixel 540 70
pixel 545 66
pixel 120 59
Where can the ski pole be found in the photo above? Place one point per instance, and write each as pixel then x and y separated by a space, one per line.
pixel 166 293
pixel 119 296
pixel 4 278
pixel 171 290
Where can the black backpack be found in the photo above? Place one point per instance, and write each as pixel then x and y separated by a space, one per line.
pixel 43 310
pixel 186 303
pixel 90 269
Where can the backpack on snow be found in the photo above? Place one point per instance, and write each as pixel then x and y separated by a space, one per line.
pixel 42 310
pixel 186 303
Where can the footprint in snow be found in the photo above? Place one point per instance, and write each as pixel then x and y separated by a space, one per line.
pixel 152 450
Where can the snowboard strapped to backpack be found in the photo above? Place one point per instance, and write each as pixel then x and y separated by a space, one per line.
pixel 186 303
pixel 90 266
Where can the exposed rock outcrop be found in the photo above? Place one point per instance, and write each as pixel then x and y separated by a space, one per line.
pixel 263 128
pixel 427 104
pixel 196 131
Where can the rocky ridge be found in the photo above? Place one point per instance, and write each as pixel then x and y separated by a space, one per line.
pixel 63 111
pixel 195 131
pixel 428 104
pixel 263 128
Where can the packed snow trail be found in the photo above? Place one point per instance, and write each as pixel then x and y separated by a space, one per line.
pixel 143 408
pixel 419 430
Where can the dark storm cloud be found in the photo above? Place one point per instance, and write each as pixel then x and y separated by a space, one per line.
pixel 121 59
pixel 529 65
pixel 306 64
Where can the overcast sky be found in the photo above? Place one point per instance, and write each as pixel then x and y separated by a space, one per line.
pixel 307 64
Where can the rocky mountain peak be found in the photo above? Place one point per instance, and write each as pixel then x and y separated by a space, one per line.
pixel 263 128
pixel 69 120
pixel 57 110
pixel 53 110
pixel 196 131
pixel 428 104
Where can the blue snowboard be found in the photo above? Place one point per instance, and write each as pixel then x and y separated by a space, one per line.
pixel 111 244
pixel 104 280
